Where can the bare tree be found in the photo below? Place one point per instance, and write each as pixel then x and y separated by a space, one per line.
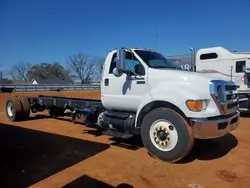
pixel 20 70
pixel 98 63
pixel 82 66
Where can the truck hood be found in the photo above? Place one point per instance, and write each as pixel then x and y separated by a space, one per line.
pixel 172 75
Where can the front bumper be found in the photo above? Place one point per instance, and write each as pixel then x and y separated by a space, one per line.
pixel 214 127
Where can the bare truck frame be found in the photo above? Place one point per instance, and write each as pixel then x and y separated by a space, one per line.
pixel 81 110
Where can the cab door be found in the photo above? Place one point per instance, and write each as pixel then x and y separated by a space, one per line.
pixel 125 92
pixel 239 73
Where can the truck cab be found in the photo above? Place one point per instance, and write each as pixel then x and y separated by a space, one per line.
pixel 125 90
pixel 145 93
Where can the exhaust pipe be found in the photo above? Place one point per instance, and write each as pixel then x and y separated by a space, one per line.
pixel 193 63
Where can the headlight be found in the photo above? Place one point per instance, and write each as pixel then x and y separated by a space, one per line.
pixel 197 105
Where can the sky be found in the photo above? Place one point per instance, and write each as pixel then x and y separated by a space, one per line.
pixel 51 30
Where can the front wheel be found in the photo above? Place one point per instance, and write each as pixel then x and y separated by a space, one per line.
pixel 166 135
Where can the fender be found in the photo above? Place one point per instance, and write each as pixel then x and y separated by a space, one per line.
pixel 177 94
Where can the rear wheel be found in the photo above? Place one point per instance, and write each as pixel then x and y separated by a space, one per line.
pixel 13 109
pixel 25 107
pixel 166 135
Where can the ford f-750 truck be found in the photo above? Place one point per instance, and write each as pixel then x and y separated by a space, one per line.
pixel 143 93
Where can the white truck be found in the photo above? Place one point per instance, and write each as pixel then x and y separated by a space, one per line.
pixel 223 64
pixel 143 93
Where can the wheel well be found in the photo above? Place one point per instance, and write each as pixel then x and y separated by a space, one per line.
pixel 158 104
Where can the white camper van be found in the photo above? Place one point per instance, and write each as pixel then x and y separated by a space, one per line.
pixel 224 64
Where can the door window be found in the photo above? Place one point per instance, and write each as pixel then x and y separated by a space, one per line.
pixel 113 63
pixel 130 62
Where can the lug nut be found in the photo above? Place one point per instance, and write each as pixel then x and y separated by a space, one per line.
pixel 171 127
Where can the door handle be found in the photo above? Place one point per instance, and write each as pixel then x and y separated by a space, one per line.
pixel 106 82
pixel 140 82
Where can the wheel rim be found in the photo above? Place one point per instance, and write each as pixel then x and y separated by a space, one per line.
pixel 163 135
pixel 10 109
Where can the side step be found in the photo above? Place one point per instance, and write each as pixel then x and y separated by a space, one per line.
pixel 117 134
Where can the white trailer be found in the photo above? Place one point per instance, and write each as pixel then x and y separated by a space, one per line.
pixel 223 64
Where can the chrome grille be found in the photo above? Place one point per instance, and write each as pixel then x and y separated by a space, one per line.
pixel 230 87
pixel 225 95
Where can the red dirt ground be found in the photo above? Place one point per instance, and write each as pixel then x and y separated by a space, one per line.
pixel 44 152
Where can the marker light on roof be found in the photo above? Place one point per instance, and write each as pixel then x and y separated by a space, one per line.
pixel 150 50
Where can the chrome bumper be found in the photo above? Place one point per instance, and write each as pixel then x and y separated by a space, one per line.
pixel 215 127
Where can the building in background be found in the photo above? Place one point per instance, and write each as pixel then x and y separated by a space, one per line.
pixel 50 80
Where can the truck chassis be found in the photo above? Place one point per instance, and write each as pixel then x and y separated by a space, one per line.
pixel 83 111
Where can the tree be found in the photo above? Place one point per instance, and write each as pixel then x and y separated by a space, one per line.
pixel 44 70
pixel 20 71
pixel 98 64
pixel 82 66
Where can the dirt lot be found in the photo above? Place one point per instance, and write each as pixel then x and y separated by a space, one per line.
pixel 44 152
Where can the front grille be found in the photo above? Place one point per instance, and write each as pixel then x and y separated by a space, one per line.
pixel 232 97
pixel 225 95
pixel 220 91
pixel 230 87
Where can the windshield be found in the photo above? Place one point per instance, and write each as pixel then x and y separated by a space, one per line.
pixel 156 60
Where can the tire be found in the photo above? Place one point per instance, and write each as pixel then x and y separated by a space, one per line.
pixel 13 109
pixel 25 107
pixel 177 136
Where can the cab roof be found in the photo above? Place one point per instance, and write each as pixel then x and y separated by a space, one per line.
pixel 141 49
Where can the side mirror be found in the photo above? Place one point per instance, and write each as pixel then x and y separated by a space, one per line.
pixel 121 55
pixel 117 72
